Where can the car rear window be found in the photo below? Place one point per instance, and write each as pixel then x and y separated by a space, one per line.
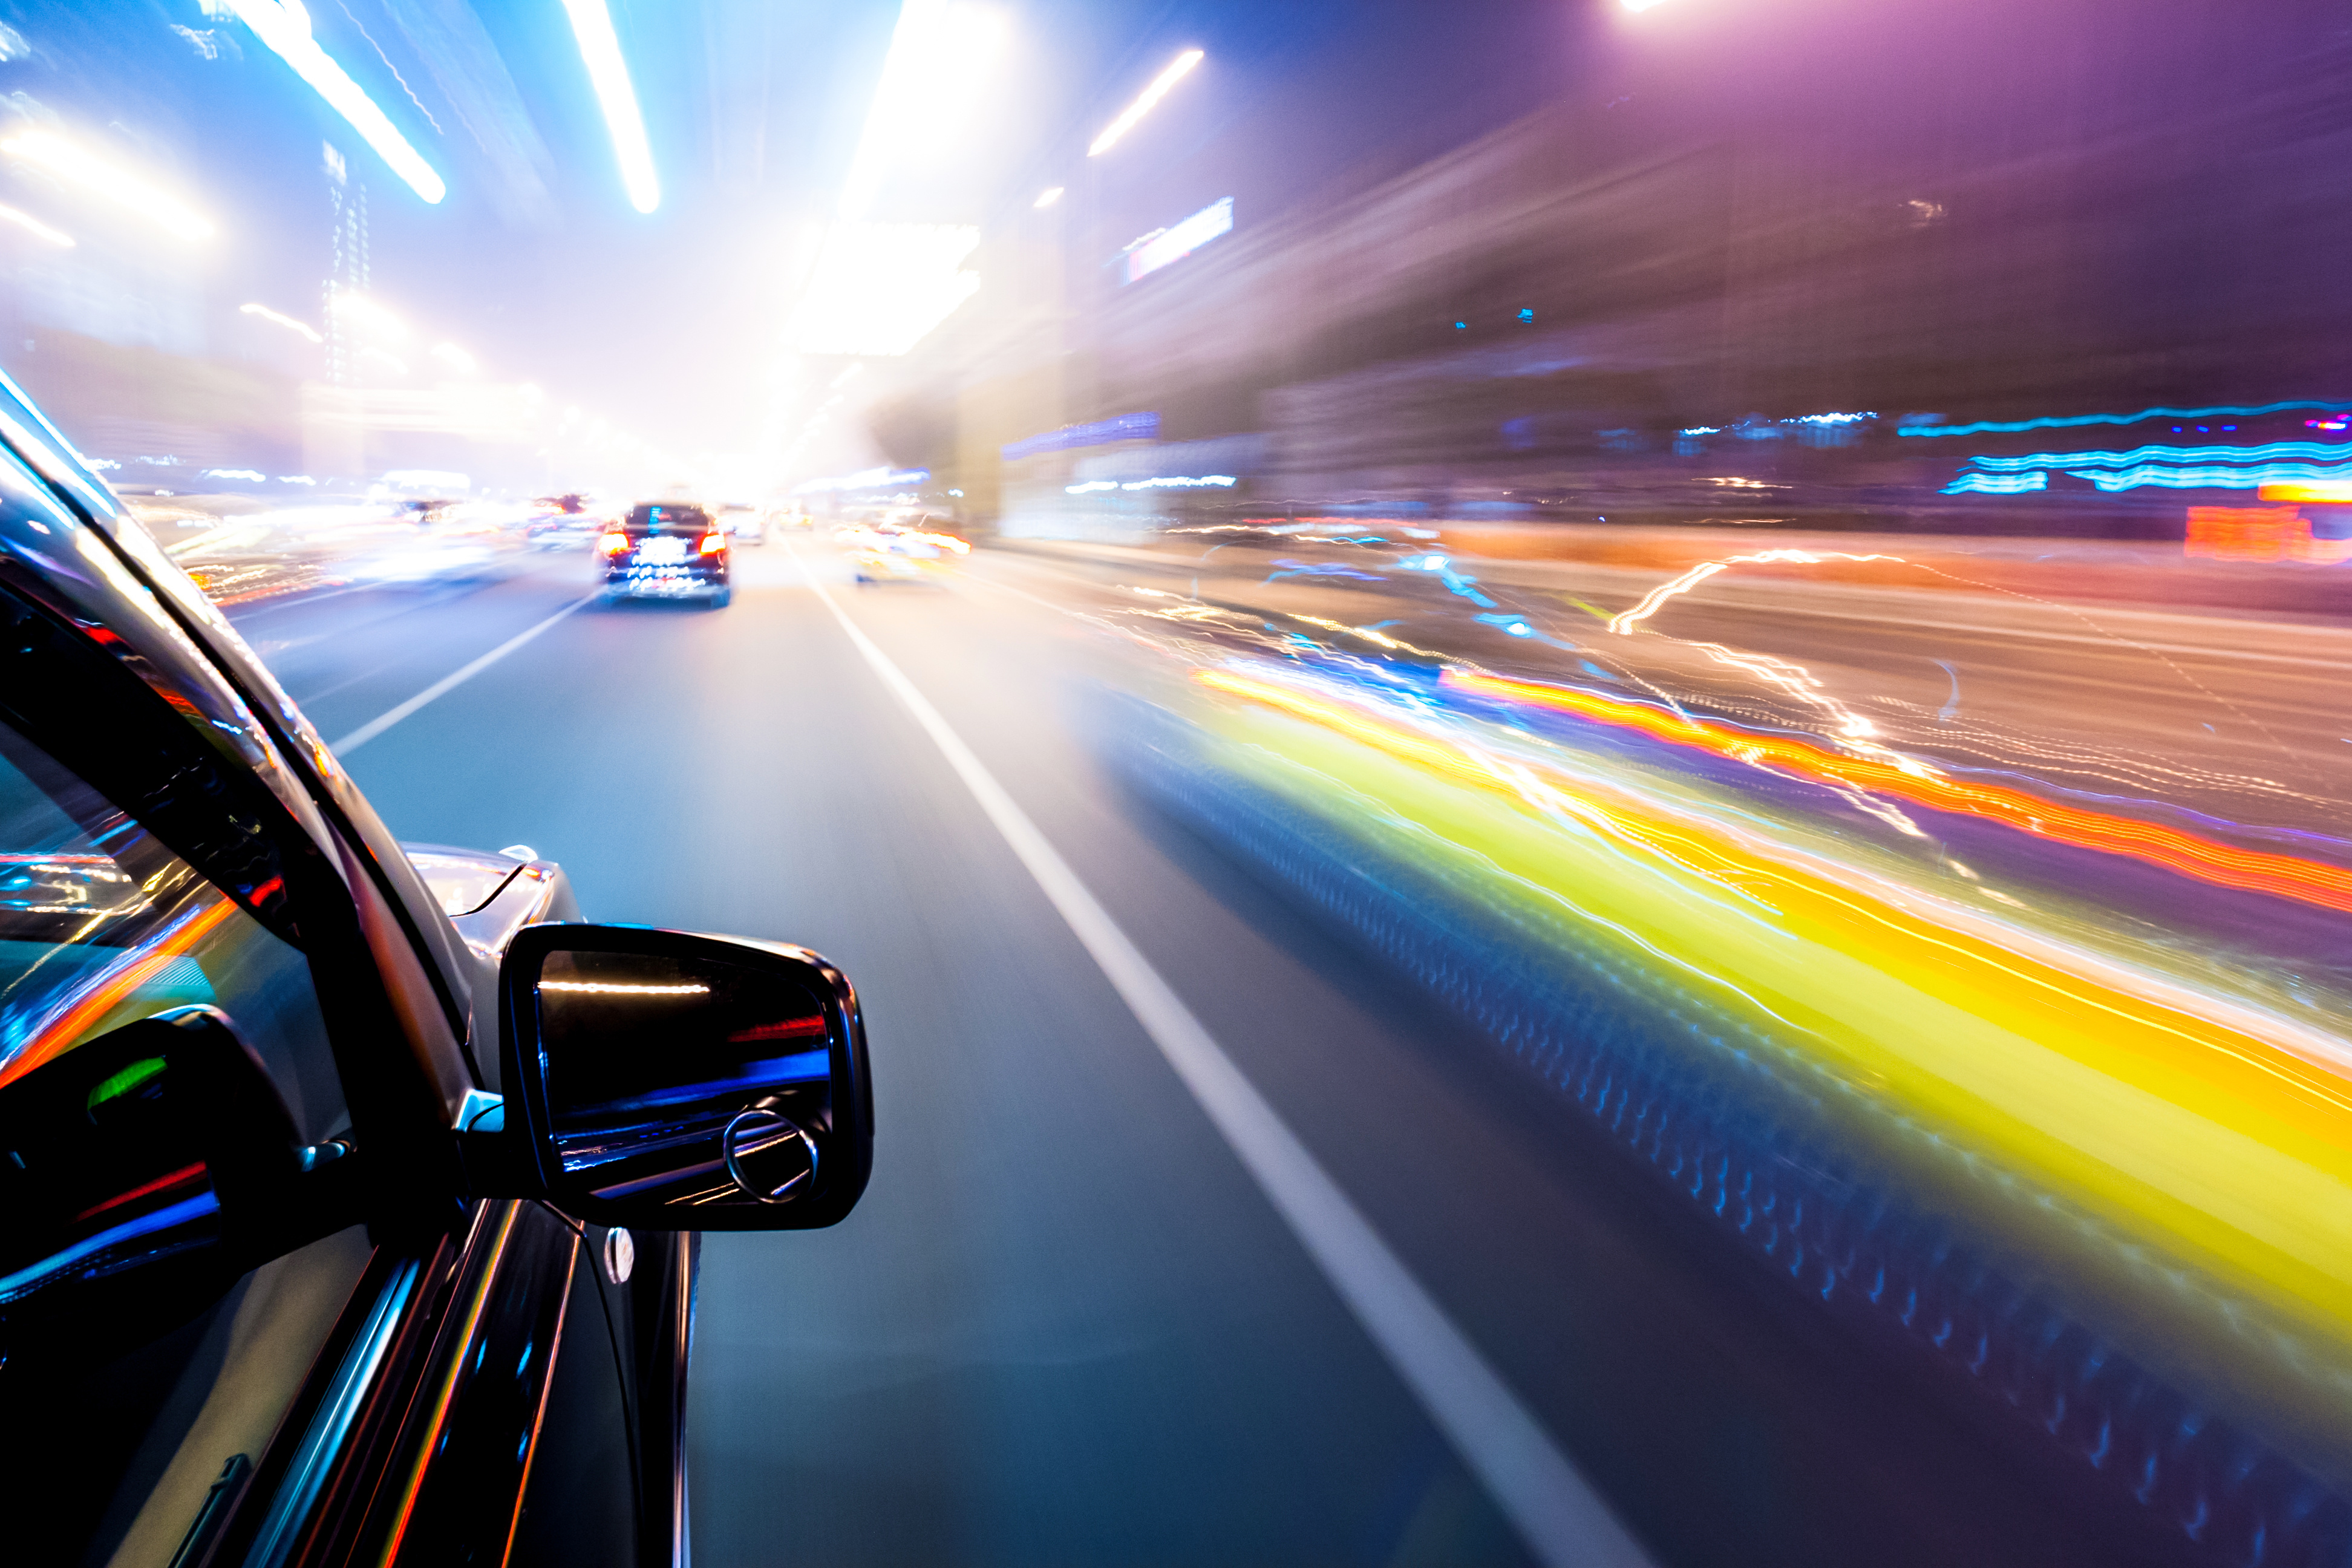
pixel 649 520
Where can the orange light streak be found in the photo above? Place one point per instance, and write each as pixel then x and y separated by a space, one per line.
pixel 110 991
pixel 2223 865
pixel 2165 1037
pixel 428 1447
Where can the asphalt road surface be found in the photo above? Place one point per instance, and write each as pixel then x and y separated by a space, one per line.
pixel 1068 1324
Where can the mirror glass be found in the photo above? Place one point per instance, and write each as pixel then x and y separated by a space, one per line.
pixel 696 1078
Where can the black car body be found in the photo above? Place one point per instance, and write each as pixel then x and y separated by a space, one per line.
pixel 665 549
pixel 345 1212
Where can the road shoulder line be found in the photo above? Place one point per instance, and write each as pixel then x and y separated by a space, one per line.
pixel 1563 1519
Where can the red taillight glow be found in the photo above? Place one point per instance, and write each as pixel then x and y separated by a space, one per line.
pixel 712 543
pixel 613 543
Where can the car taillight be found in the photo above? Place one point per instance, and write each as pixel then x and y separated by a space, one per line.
pixel 613 543
pixel 712 543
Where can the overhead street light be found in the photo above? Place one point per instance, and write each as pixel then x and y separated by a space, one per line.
pixel 1178 69
pixel 600 50
pixel 940 53
pixel 286 29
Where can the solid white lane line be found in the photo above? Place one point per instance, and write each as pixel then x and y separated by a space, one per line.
pixel 447 683
pixel 1563 1519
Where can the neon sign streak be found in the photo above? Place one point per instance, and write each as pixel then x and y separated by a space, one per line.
pixel 2247 870
pixel 2074 421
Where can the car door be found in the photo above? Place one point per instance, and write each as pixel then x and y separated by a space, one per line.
pixel 151 1353
pixel 245 1314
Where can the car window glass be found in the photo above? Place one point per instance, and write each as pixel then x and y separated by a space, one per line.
pixel 142 1359
pixel 674 520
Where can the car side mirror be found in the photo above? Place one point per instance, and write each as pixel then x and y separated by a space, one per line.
pixel 670 1081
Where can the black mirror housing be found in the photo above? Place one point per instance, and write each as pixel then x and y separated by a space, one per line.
pixel 672 1081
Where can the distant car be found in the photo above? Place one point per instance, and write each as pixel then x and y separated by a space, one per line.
pixel 665 549
pixel 573 531
pixel 744 524
pixel 900 552
pixel 564 522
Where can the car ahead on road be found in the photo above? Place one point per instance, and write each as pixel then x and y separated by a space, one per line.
pixel 744 523
pixel 349 1193
pixel 568 521
pixel 665 549
pixel 908 549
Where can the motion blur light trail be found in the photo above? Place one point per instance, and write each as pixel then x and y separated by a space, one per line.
pixel 2250 870
pixel 77 165
pixel 608 73
pixel 2101 1111
pixel 1624 624
pixel 286 29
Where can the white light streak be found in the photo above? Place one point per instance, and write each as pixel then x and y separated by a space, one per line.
pixel 397 367
pixel 75 165
pixel 1178 69
pixel 877 288
pixel 285 26
pixel 1175 244
pixel 600 50
pixel 1047 198
pixel 456 358
pixel 35 226
pixel 938 52
pixel 266 314
pixel 614 988
pixel 1639 5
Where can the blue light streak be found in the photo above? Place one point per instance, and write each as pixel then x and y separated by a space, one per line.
pixel 2072 421
pixel 2164 468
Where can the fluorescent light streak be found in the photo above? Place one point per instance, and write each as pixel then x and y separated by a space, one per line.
pixel 286 29
pixel 877 288
pixel 616 988
pixel 256 476
pixel 1175 244
pixel 34 225
pixel 1178 70
pixel 1047 198
pixel 398 366
pixel 1177 483
pixel 938 52
pixel 456 358
pixel 600 50
pixel 48 151
pixel 266 314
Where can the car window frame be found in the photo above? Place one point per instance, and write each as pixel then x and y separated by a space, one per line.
pixel 293 758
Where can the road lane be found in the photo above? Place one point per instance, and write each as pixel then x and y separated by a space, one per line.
pixel 1063 1326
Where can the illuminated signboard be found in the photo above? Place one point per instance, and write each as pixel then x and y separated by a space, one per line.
pixel 1176 244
